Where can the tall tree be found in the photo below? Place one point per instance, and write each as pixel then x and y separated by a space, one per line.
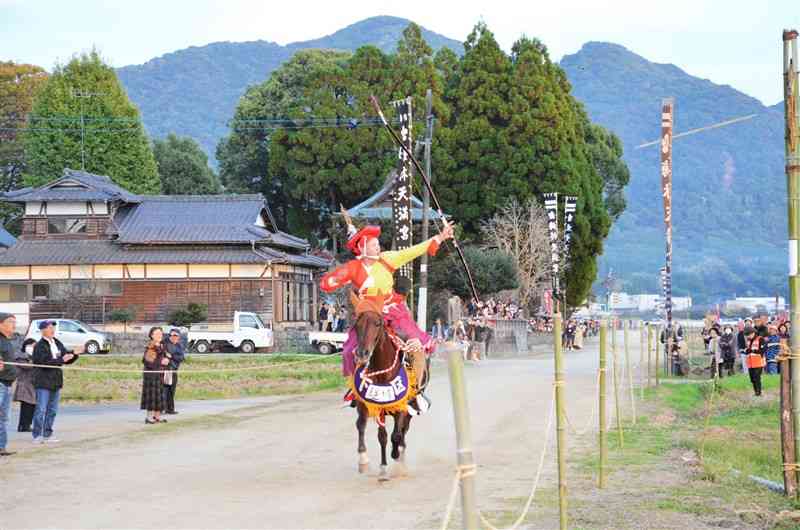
pixel 19 84
pixel 605 150
pixel 244 156
pixel 82 108
pixel 183 167
pixel 471 156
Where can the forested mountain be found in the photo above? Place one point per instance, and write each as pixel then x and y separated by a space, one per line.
pixel 729 192
pixel 194 91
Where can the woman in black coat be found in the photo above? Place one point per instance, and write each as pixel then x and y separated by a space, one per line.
pixel 154 361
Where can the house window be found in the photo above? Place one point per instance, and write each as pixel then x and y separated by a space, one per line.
pixel 66 225
pixel 41 291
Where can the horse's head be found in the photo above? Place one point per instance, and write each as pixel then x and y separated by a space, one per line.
pixel 369 330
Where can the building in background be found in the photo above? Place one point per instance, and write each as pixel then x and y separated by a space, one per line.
pixel 755 304
pixel 621 302
pixel 89 246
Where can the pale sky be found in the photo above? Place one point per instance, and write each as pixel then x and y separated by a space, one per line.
pixel 735 42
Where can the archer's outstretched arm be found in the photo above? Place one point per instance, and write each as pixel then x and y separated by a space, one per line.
pixel 337 278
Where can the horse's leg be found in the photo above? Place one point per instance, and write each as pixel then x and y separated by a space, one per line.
pixel 401 420
pixel 361 425
pixel 383 438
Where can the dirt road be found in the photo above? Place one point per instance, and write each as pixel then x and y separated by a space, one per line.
pixel 289 462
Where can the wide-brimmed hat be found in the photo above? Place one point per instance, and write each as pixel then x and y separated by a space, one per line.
pixel 357 243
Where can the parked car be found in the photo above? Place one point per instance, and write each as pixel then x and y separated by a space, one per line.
pixel 73 333
pixel 248 332
pixel 327 342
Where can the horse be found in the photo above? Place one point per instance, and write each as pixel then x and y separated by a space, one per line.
pixel 376 350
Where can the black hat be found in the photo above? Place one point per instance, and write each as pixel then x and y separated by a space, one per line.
pixel 46 323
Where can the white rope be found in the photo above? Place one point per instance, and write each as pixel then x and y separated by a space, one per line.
pixel 183 371
pixel 465 471
pixel 590 423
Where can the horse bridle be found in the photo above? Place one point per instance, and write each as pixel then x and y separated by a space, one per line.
pixel 381 324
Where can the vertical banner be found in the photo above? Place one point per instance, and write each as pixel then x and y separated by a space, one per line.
pixel 570 205
pixel 662 305
pixel 402 190
pixel 667 122
pixel 551 207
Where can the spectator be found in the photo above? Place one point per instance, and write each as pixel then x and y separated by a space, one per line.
pixel 580 331
pixel 25 391
pixel 49 381
pixel 439 331
pixel 154 361
pixel 323 316
pixel 773 349
pixel 716 353
pixel 741 342
pixel 342 322
pixel 8 374
pixel 330 324
pixel 175 352
pixel 755 358
pixel 728 347
pixel 569 335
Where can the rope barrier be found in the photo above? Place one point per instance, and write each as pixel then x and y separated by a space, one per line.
pixel 254 368
pixel 468 470
pixel 592 415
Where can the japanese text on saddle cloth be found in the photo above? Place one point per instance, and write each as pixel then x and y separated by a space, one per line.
pixel 371 273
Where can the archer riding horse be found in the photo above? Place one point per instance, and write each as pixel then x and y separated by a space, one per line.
pixel 384 384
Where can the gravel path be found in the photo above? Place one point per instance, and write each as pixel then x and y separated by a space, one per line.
pixel 286 462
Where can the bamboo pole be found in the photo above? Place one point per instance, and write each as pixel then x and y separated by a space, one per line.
pixel 791 102
pixel 466 460
pixel 787 430
pixel 626 342
pixel 602 407
pixel 642 365
pixel 560 423
pixel 616 378
pixel 658 352
pixel 649 353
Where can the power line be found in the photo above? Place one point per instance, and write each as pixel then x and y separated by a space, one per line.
pixel 701 129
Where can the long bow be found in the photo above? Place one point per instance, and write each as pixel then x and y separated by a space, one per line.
pixel 427 182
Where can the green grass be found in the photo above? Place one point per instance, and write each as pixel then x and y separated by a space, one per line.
pixel 319 373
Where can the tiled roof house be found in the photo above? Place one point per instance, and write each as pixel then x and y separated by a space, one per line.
pixel 88 242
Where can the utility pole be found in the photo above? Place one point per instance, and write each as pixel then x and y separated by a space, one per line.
pixel 84 95
pixel 791 102
pixel 422 304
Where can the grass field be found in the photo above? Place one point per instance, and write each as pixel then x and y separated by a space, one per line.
pixel 271 377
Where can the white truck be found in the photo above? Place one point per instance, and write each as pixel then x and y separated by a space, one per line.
pixel 327 342
pixel 248 333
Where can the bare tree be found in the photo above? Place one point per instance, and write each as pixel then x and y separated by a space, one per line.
pixel 520 230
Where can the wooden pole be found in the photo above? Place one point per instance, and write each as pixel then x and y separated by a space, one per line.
pixel 616 378
pixel 625 326
pixel 466 460
pixel 787 430
pixel 602 406
pixel 791 102
pixel 560 423
pixel 422 304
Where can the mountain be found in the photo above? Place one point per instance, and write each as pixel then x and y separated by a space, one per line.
pixel 729 190
pixel 194 91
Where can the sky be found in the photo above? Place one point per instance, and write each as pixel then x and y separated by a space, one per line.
pixel 734 42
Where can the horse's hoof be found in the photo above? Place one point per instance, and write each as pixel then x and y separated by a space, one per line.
pixel 363 468
pixel 383 476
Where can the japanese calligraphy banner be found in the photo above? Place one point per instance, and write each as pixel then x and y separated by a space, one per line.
pixel 667 123
pixel 551 208
pixel 402 190
pixel 570 205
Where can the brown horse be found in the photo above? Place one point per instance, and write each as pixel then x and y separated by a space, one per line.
pixel 377 351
